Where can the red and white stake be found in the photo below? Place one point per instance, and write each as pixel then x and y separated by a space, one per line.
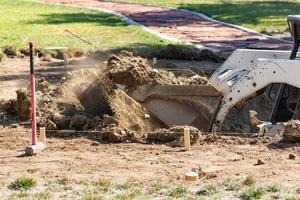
pixel 32 90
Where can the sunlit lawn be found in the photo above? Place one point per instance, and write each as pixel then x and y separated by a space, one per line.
pixel 45 25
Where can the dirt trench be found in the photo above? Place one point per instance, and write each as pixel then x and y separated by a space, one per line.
pixel 99 99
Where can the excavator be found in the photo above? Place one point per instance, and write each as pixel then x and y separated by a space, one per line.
pixel 243 76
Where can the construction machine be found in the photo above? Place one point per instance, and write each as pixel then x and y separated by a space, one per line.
pixel 244 75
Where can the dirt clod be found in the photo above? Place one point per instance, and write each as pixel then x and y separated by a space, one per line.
pixel 23 104
pixel 291 131
pixel 174 135
pixel 211 138
pixel 117 134
pixel 260 162
pixel 129 72
pixel 292 156
pixel 9 51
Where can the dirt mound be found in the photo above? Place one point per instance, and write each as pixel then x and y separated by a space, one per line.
pixel 81 101
pixel 9 51
pixel 182 52
pixel 235 140
pixel 78 103
pixel 115 134
pixel 23 104
pixel 97 99
pixel 130 114
pixel 291 131
pixel 130 71
pixel 173 135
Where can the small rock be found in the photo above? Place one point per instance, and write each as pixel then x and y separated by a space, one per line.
pixel 292 156
pixel 253 141
pixel 14 125
pixel 240 141
pixel 260 162
pixel 212 137
pixel 146 116
pixel 95 144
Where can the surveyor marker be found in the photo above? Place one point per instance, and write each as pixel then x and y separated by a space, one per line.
pixel 35 146
pixel 32 90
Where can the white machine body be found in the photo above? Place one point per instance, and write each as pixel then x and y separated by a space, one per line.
pixel 247 71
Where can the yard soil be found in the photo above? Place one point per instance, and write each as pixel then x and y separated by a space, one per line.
pixel 189 26
pixel 80 157
pixel 99 97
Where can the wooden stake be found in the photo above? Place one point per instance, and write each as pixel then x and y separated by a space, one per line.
pixel 187 140
pixel 43 135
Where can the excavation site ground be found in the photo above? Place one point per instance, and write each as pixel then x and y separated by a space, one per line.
pixel 109 137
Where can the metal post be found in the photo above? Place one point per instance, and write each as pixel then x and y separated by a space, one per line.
pixel 32 90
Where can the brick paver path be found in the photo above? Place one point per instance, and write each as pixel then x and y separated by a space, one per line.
pixel 190 27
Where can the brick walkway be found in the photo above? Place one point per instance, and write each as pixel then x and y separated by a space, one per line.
pixel 190 27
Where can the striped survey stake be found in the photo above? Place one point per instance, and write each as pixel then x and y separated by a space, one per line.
pixel 32 90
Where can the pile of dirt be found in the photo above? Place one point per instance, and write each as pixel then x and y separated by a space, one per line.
pixel 10 51
pixel 77 103
pixel 130 71
pixel 83 97
pixel 182 52
pixel 8 106
pixel 132 115
pixel 23 104
pixel 174 135
pixel 235 140
pixel 291 131
pixel 114 133
pixel 97 99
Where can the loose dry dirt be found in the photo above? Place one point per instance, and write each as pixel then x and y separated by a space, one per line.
pixel 79 158
pixel 75 157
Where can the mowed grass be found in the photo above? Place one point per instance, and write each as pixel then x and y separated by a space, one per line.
pixel 261 15
pixel 44 24
pixel 106 189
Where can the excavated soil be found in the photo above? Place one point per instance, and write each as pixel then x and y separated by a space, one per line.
pixel 291 131
pixel 71 98
pixel 132 71
pixel 97 99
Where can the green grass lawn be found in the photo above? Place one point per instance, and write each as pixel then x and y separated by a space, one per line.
pixel 261 15
pixel 45 25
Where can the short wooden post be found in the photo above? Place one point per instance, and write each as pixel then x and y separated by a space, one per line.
pixel 43 135
pixel 187 139
pixel 66 60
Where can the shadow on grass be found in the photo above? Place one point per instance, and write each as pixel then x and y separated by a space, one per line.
pixel 100 19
